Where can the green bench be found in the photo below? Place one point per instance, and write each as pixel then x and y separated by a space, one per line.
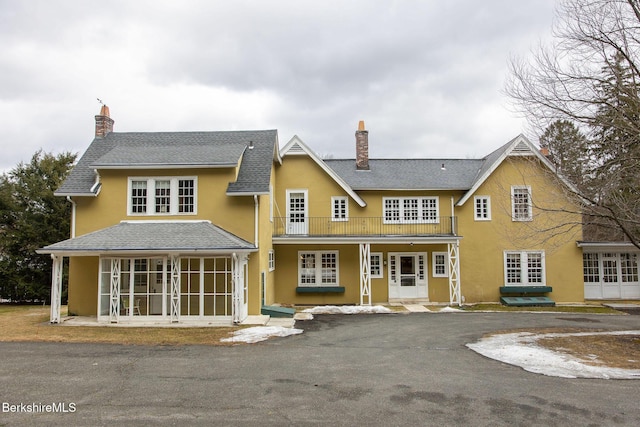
pixel 526 296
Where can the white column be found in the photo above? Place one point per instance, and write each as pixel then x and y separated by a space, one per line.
pixel 365 274
pixel 114 305
pixel 174 291
pixel 56 288
pixel 454 273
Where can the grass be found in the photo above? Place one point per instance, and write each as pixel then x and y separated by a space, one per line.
pixel 30 323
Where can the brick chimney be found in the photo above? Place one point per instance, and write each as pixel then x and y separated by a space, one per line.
pixel 362 147
pixel 104 123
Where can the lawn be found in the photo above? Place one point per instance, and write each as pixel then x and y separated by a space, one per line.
pixel 31 323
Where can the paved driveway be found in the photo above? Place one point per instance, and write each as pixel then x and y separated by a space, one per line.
pixel 399 369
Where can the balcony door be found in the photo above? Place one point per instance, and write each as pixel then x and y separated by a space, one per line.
pixel 297 222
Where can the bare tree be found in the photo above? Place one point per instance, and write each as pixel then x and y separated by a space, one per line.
pixel 589 76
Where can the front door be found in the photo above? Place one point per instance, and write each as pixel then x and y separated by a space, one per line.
pixel 297 212
pixel 407 276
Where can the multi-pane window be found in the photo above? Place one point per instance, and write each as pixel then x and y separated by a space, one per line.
pixel 376 265
pixel 609 267
pixel 440 266
pixel 410 210
pixel 590 268
pixel 186 195
pixel 339 209
pixel 272 260
pixel 482 210
pixel 138 196
pixel 524 268
pixel 162 196
pixel 629 267
pixel 318 268
pixel 521 203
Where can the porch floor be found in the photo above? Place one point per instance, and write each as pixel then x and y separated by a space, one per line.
pixel 257 320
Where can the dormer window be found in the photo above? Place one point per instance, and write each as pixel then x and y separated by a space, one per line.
pixel 162 196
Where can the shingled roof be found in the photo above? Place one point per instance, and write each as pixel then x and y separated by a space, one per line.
pixel 153 236
pixel 173 150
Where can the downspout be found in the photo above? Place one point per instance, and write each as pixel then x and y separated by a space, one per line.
pixel 255 227
pixel 453 218
pixel 73 216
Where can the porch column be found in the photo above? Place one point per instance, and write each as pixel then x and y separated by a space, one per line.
pixel 56 288
pixel 454 273
pixel 174 290
pixel 365 274
pixel 114 305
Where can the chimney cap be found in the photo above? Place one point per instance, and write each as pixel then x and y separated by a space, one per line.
pixel 104 111
pixel 361 125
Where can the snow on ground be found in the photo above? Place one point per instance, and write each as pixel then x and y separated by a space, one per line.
pixel 521 349
pixel 348 309
pixel 261 333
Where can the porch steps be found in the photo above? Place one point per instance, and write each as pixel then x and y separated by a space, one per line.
pixel 277 311
pixel 528 301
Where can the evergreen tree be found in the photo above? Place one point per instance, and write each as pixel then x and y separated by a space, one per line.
pixel 31 217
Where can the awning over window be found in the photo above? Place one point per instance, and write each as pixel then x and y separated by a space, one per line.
pixel 137 237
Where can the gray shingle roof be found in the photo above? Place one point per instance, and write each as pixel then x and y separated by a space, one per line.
pixel 131 150
pixel 153 236
pixel 409 174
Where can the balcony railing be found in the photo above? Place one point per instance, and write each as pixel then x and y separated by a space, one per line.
pixel 369 226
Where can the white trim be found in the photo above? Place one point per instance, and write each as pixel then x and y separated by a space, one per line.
pixel 335 199
pixel 271 260
pixel 151 195
pixel 444 264
pixel 524 268
pixel 486 201
pixel 380 256
pixel 529 216
pixel 294 146
pixel 365 274
pixel 318 268
pixel 421 218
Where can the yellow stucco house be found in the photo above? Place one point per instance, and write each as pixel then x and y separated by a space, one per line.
pixel 196 225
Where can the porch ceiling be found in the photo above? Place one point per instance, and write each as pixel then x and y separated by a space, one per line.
pixel 152 237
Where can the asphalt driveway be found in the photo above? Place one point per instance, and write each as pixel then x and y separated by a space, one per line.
pixel 398 369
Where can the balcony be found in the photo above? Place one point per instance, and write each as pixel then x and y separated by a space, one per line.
pixel 362 226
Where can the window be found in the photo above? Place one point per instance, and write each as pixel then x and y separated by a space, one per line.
pixel 272 260
pixel 629 267
pixel 482 208
pixel 376 265
pixel 591 270
pixel 521 203
pixel 440 264
pixel 162 196
pixel 318 268
pixel 340 209
pixel 610 267
pixel 524 268
pixel 410 210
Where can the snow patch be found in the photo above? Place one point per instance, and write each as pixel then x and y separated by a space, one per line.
pixel 521 349
pixel 450 310
pixel 348 309
pixel 261 333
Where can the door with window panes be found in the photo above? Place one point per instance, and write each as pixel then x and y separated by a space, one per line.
pixel 408 275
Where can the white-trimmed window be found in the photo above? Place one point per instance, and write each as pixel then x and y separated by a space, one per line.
pixel 410 210
pixel 524 268
pixel 318 268
pixel 272 260
pixel 440 264
pixel 482 208
pixel 162 196
pixel 339 208
pixel 521 203
pixel 376 265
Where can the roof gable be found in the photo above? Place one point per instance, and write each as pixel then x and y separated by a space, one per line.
pixel 295 147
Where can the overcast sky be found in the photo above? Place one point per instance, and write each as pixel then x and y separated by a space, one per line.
pixel 425 76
